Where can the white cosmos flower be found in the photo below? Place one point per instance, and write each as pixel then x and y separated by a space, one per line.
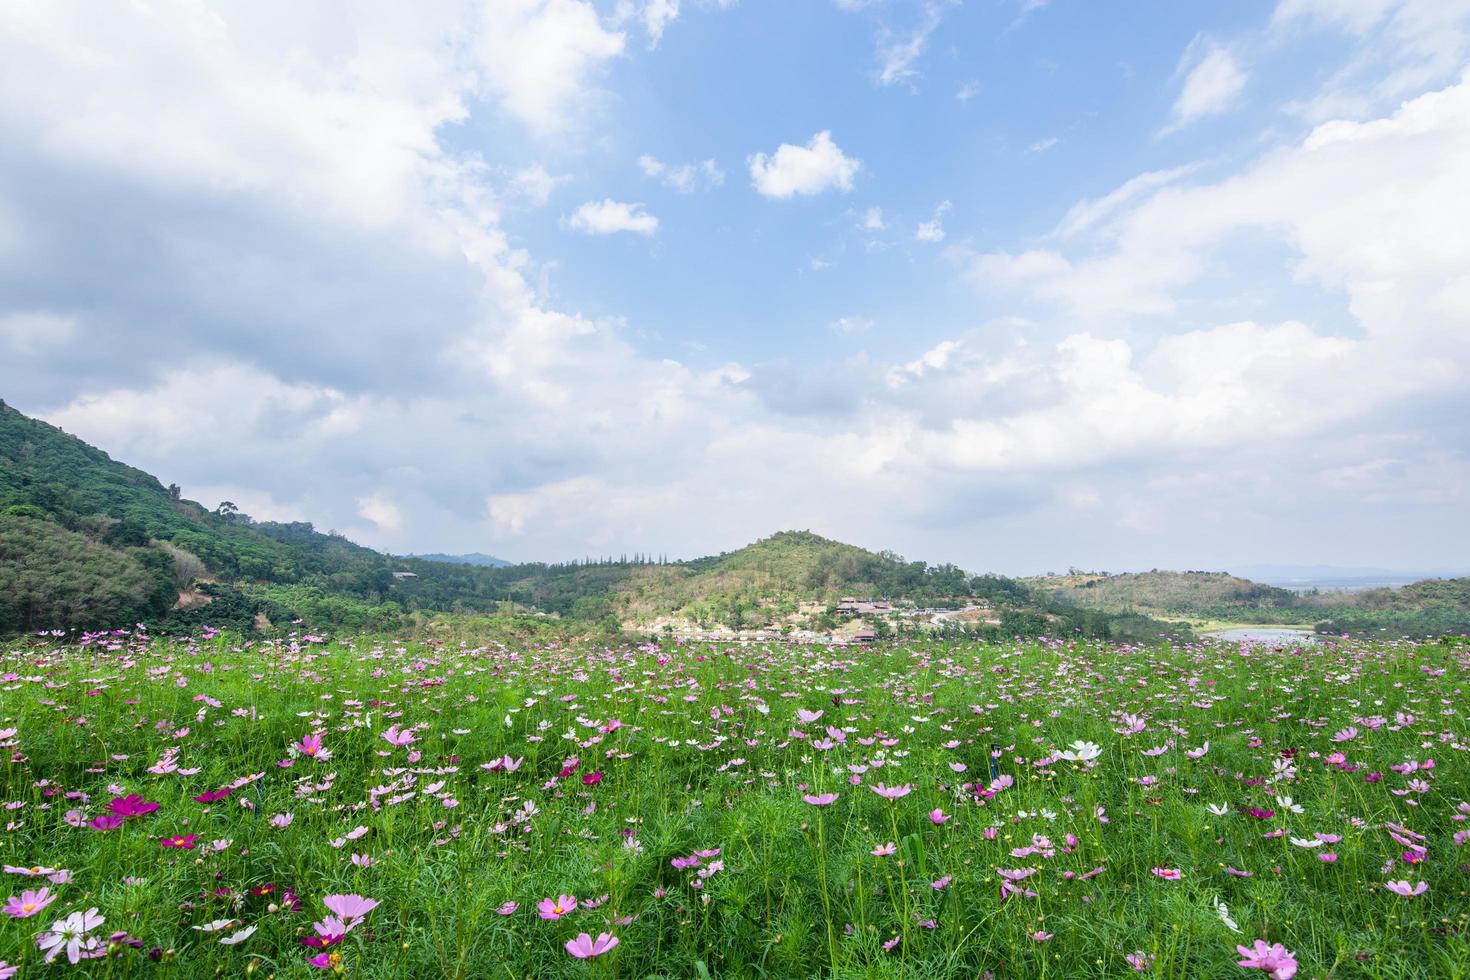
pixel 1223 911
pixel 1304 842
pixel 1080 751
pixel 235 938
pixel 1218 809
pixel 1286 804
pixel 216 925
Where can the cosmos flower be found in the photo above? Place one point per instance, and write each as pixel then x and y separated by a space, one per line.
pixel 885 850
pixel 892 792
pixel 555 908
pixel 822 799
pixel 29 903
pixel 351 908
pixel 1405 889
pixel 395 737
pixel 70 936
pixel 1274 959
pixel 1169 874
pixel 184 841
pixel 585 947
pixel 130 806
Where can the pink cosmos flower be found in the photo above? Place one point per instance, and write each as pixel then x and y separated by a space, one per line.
pixel 311 745
pixel 884 850
pixel 1140 961
pixel 592 778
pixel 185 841
pixel 106 821
pixel 6 972
pixel 584 947
pixel 1275 959
pixel 938 817
pixel 555 908
pixel 351 908
pixel 509 908
pixel 823 799
pixel 942 883
pixel 1169 874
pixel 807 717
pixel 29 903
pixel 1041 935
pixel 1407 890
pixel 396 737
pixel 892 792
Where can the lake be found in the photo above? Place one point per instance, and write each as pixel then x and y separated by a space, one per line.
pixel 1264 634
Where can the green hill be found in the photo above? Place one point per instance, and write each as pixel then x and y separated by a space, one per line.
pixel 1428 608
pixel 1215 595
pixel 89 542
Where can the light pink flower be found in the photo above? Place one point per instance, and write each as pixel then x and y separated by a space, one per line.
pixel 29 903
pixel 1407 890
pixel 1278 962
pixel 823 799
pixel 585 947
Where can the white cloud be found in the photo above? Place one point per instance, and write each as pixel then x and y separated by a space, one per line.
pixel 534 183
pixel 379 509
pixel 818 166
pixel 607 217
pixel 36 330
pixel 851 325
pixel 967 91
pixel 897 53
pixel 1403 47
pixel 1213 85
pixel 684 178
pixel 1042 145
pixel 932 231
pixel 873 219
pixel 538 56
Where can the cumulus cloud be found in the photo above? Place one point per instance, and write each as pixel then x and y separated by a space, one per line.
pixel 1211 87
pixel 351 337
pixel 608 217
pixel 818 166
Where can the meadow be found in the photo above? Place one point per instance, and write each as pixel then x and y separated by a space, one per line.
pixel 378 808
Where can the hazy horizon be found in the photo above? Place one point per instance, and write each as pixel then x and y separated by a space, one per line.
pixel 1017 285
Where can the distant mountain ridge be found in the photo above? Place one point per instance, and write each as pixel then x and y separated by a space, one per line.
pixel 471 558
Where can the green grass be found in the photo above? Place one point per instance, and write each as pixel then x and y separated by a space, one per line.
pixel 705 758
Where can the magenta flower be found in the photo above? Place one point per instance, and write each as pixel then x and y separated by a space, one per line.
pixel 938 817
pixel 29 903
pixel 311 745
pixel 131 805
pixel 1275 959
pixel 106 821
pixel 1169 874
pixel 584 947
pixel 1407 890
pixel 592 778
pixel 823 799
pixel 185 841
pixel 555 908
pixel 892 792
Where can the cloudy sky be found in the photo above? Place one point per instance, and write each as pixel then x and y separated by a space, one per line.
pixel 1012 283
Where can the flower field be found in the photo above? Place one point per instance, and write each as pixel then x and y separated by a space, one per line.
pixel 380 809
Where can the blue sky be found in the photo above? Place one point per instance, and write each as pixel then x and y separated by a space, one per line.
pixel 1009 283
